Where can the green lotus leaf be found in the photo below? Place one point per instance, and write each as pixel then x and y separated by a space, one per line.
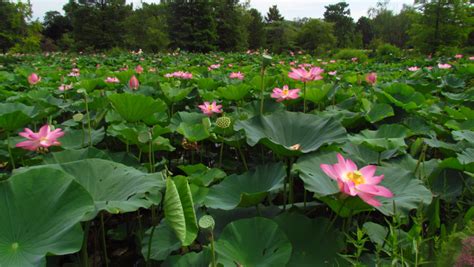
pixel 247 189
pixel 179 209
pixel 74 155
pixel 378 112
pixel 467 156
pixel 403 95
pixel 200 259
pixel 202 175
pixel 194 132
pixel 387 137
pixel 187 117
pixel 76 139
pixel 317 93
pixel 321 249
pixel 292 133
pixel 15 115
pixel 175 94
pixel 234 92
pixel 163 242
pixel 409 192
pixel 253 242
pixel 40 211
pixel 136 107
pixel 114 187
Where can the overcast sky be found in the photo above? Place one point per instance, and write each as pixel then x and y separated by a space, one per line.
pixel 290 9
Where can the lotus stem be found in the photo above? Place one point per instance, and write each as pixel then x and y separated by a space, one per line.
pixel 88 120
pixel 304 97
pixel 244 161
pixel 148 263
pixel 220 154
pixel 85 256
pixel 291 193
pixel 213 252
pixel 104 244
pixel 262 85
pixel 10 151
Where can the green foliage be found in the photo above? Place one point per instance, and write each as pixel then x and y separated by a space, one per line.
pixel 388 52
pixel 348 54
pixel 256 30
pixel 316 35
pixel 442 24
pixel 273 15
pixel 339 15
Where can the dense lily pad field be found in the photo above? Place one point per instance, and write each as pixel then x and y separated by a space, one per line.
pixel 235 160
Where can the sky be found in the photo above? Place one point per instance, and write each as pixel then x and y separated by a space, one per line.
pixel 290 9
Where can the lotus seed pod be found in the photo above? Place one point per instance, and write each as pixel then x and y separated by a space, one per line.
pixel 207 222
pixel 223 122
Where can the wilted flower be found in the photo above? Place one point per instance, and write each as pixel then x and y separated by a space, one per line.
pixel 352 181
pixel 236 75
pixel 210 108
pixel 371 78
pixel 133 83
pixel 42 139
pixel 303 75
pixel 34 78
pixel 285 93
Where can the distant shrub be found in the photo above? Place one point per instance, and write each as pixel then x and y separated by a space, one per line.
pixel 116 51
pixel 348 54
pixel 388 52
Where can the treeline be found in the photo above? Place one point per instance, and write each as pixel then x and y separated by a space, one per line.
pixel 228 25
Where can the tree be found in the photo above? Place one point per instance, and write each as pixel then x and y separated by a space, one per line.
pixel 366 30
pixel 273 15
pixel 256 30
pixel 229 26
pixel 280 36
pixel 316 35
pixel 191 25
pixel 147 29
pixel 13 25
pixel 98 24
pixel 444 23
pixel 339 15
pixel 55 25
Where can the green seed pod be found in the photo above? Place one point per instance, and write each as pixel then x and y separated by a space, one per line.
pixel 223 122
pixel 207 222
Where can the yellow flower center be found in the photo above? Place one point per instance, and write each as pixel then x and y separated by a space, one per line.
pixel 356 177
pixel 210 107
pixel 285 92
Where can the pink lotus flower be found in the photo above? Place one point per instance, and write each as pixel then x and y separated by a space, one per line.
pixel 303 75
pixel 210 108
pixel 471 58
pixel 112 80
pixel 429 68
pixel 133 83
pixel 371 78
pixel 34 79
pixel 292 63
pixel 354 59
pixel 352 181
pixel 414 68
pixel 285 93
pixel 458 56
pixel 332 73
pixel 236 75
pixel 332 61
pixel 444 66
pixel 214 67
pixel 74 74
pixel 139 69
pixel 42 139
pixel 65 87
pixel 179 74
pixel 152 70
